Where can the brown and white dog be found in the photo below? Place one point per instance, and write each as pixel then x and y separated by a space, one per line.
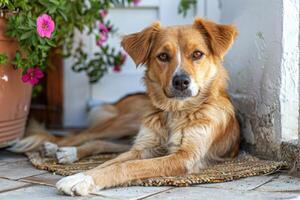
pixel 186 120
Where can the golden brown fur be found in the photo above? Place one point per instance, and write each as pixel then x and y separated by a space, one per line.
pixel 181 132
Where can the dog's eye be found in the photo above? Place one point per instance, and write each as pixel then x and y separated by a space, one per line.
pixel 164 57
pixel 197 55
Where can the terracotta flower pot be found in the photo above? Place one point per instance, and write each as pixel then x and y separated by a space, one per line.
pixel 14 94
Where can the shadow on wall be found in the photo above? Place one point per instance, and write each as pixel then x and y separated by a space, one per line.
pixel 264 67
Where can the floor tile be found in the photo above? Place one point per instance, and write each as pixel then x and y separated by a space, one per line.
pixel 241 184
pixel 43 179
pixel 37 192
pixel 6 156
pixel 6 185
pixel 196 193
pixel 282 183
pixel 18 169
pixel 123 193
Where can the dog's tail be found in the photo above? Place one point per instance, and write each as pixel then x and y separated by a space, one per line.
pixel 36 135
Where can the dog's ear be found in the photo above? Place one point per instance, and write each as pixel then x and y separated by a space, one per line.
pixel 220 36
pixel 138 45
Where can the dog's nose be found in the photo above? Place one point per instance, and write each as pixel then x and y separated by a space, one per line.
pixel 181 82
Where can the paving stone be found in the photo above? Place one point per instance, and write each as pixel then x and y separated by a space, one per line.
pixel 6 184
pixel 6 156
pixel 123 193
pixel 43 179
pixel 241 184
pixel 18 169
pixel 196 193
pixel 282 183
pixel 37 192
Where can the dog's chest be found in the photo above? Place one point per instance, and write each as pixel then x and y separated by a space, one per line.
pixel 175 124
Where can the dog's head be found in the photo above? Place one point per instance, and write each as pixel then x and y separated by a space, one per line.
pixel 182 62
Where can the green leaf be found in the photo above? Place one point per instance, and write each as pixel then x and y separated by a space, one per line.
pixel 36 90
pixel 54 2
pixel 18 55
pixel 51 43
pixel 186 5
pixel 63 15
pixel 32 23
pixel 3 59
pixel 26 35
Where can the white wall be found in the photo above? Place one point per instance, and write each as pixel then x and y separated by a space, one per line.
pixel 76 93
pixel 289 93
pixel 263 66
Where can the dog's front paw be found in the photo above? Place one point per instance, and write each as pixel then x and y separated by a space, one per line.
pixel 66 155
pixel 78 184
pixel 49 149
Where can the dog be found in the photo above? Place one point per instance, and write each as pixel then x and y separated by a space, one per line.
pixel 185 121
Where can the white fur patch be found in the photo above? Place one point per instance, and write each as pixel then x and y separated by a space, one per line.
pixel 78 184
pixel 49 149
pixel 178 67
pixel 66 155
pixel 194 87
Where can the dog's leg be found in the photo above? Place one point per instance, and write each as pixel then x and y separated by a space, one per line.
pixel 65 185
pixel 120 173
pixel 66 155
pixel 99 146
pixel 141 150
pixel 188 150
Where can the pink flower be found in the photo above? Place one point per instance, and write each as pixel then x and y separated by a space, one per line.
pixel 102 39
pixel 103 13
pixel 117 68
pixel 103 28
pixel 136 2
pixel 45 25
pixel 33 75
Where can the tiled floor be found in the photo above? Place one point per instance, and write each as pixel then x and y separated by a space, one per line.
pixel 19 180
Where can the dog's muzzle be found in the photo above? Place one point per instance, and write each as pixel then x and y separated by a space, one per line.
pixel 181 82
pixel 180 87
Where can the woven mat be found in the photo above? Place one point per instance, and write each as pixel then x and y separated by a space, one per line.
pixel 244 166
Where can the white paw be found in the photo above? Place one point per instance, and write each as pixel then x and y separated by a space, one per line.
pixel 49 149
pixel 66 155
pixel 78 184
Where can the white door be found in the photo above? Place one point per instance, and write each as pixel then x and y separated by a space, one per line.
pixel 79 94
